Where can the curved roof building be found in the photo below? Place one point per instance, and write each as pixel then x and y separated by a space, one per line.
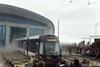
pixel 18 22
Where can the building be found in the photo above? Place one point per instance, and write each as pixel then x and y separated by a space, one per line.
pixel 17 22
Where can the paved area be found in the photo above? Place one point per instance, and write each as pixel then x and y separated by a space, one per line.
pixel 20 59
pixel 1 61
pixel 92 61
pixel 17 58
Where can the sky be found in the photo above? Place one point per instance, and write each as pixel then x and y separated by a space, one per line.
pixel 77 18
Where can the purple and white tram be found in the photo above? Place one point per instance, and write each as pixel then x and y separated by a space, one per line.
pixel 44 46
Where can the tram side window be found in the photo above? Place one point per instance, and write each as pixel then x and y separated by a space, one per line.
pixel 37 46
pixel 30 46
pixel 24 44
pixel 21 43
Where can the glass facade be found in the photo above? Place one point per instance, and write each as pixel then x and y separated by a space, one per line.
pixel 17 32
pixel 35 31
pixel 2 35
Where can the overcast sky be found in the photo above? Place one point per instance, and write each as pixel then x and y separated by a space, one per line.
pixel 77 19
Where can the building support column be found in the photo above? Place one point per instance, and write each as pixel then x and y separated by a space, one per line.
pixel 28 31
pixel 7 34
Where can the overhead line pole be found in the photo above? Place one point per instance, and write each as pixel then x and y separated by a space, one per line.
pixel 58 28
pixel 96 28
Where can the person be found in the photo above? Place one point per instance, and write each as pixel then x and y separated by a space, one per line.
pixel 97 53
pixel 49 63
pixel 70 51
pixel 41 63
pixel 31 61
pixel 71 64
pixel 76 63
pixel 11 64
pixel 85 63
pixel 8 63
pixel 63 63
pixel 35 63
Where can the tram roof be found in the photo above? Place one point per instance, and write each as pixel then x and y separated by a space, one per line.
pixel 31 37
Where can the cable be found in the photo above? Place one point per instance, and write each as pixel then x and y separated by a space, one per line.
pixel 88 4
pixel 81 8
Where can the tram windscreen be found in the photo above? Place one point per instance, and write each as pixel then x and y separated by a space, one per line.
pixel 52 48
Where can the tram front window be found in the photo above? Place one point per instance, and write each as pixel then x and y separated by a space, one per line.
pixel 52 48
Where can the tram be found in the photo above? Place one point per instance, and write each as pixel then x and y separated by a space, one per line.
pixel 45 46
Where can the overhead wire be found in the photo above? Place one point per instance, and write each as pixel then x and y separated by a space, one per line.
pixel 80 9
pixel 88 4
pixel 71 1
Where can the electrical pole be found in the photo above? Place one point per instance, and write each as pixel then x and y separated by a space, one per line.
pixel 27 45
pixel 58 29
pixel 96 28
